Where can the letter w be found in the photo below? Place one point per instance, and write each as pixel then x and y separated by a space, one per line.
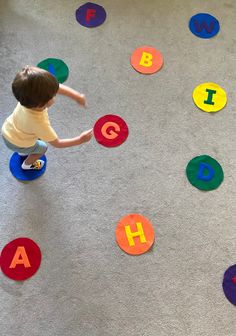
pixel 200 26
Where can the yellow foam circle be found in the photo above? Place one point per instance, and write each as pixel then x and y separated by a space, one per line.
pixel 209 97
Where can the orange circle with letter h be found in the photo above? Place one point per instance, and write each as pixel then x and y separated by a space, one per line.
pixel 135 234
pixel 146 60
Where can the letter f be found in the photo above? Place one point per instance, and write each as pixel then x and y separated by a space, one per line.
pixel 90 14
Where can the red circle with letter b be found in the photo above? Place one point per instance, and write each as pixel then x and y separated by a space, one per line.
pixel 20 259
pixel 111 130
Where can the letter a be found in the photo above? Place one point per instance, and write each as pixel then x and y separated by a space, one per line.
pixel 20 258
pixel 90 14
pixel 202 167
pixel 146 59
pixel 130 235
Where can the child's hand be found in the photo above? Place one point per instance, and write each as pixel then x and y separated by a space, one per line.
pixel 86 136
pixel 81 99
pixel 73 94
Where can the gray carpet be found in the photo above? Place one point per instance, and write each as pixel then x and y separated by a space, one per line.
pixel 86 285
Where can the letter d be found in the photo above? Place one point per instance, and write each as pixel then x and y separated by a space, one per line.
pixel 203 167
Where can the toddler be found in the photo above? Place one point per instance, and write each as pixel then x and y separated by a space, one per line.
pixel 28 129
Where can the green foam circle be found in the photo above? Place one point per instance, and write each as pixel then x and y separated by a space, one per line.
pixel 56 67
pixel 193 168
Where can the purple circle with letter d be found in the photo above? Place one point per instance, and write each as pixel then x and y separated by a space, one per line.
pixel 90 15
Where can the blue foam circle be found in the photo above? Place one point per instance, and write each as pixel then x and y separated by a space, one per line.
pixel 21 174
pixel 90 15
pixel 204 25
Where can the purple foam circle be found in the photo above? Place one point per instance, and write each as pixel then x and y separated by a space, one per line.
pixel 90 15
pixel 229 286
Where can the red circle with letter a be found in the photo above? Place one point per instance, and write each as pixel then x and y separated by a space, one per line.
pixel 146 60
pixel 111 130
pixel 20 259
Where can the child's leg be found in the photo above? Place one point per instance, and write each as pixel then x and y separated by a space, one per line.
pixel 32 161
pixel 32 154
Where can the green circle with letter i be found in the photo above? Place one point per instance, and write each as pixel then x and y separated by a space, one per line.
pixel 204 172
pixel 56 67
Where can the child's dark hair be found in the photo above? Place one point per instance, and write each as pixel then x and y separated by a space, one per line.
pixel 34 87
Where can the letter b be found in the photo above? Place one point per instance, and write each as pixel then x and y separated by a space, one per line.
pixel 146 59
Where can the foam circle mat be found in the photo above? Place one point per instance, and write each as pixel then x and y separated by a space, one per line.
pixel 56 67
pixel 135 234
pixel 25 175
pixel 229 284
pixel 204 172
pixel 90 15
pixel 146 60
pixel 209 97
pixel 20 259
pixel 204 25
pixel 110 130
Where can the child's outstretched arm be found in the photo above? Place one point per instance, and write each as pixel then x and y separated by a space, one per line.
pixel 83 137
pixel 73 94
